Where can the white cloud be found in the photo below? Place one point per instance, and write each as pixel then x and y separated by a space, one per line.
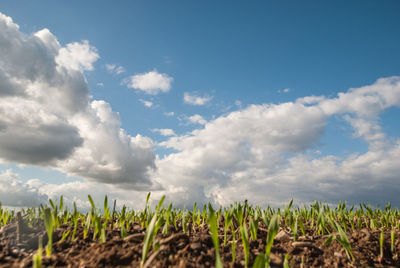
pixel 100 84
pixel 115 69
pixel 150 83
pixel 146 103
pixel 14 192
pixel 196 119
pixel 77 56
pixel 285 90
pixel 262 153
pixel 164 131
pixel 169 113
pixel 193 99
pixel 47 117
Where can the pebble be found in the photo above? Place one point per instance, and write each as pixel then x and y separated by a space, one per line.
pixel 15 251
pixel 283 236
pixel 337 254
pixel 301 244
pixel 195 246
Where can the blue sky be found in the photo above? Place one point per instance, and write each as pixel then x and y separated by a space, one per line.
pixel 236 59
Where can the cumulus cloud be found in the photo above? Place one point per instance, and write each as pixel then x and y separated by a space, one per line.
pixel 262 153
pixel 48 119
pixel 77 56
pixel 193 99
pixel 196 119
pixel 15 192
pixel 164 131
pixel 150 83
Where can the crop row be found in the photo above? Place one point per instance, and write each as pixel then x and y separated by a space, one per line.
pixel 241 220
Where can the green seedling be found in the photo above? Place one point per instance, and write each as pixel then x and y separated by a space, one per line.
pixel 48 222
pixel 344 241
pixel 273 228
pixel 233 244
pixel 37 257
pixel 227 223
pixel 151 232
pixel 286 261
pixel 214 236
pixel 245 241
pixel 64 236
pixel 253 229
pixel 87 225
pixel 381 246
pixel 259 262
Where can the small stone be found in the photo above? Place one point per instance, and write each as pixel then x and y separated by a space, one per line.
pixel 337 254
pixel 283 236
pixel 195 246
pixel 301 244
pixel 15 251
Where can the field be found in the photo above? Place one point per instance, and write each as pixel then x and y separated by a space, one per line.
pixel 237 236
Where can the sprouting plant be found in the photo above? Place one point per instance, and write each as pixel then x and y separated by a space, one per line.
pixel 184 221
pixel 245 241
pixel 214 235
pixel 233 244
pixel 87 225
pixel 75 218
pixel 64 235
pixel 123 232
pixel 344 241
pixel 227 223
pixel 286 261
pixel 253 228
pixel 273 228
pixel 259 262
pixel 37 257
pixel 301 225
pixel 167 219
pixel 294 228
pixel 48 222
pixel 91 203
pixel 151 232
pixel 381 246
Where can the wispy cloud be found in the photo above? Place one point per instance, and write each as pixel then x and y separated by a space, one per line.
pixel 146 103
pixel 285 90
pixel 169 113
pixel 115 69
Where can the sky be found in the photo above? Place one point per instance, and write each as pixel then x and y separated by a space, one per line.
pixel 201 101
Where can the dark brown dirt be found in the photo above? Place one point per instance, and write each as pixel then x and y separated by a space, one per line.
pixel 194 249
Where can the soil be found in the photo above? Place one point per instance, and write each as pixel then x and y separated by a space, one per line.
pixel 19 241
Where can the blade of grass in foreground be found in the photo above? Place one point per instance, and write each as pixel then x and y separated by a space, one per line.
pixel 48 222
pixel 151 232
pixel 214 235
pixel 273 228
